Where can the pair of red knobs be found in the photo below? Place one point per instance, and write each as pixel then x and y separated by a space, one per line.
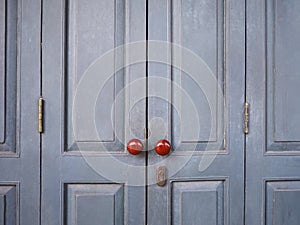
pixel 135 146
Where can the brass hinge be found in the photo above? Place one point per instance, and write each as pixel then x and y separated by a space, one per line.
pixel 40 114
pixel 246 118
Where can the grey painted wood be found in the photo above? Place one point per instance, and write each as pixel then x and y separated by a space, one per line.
pixel 159 110
pixel 9 78
pixel 135 112
pixel 215 31
pixel 96 27
pixel 19 157
pixel 188 198
pixel 282 76
pixel 286 52
pixel 8 204
pixel 2 69
pixel 82 199
pixel 197 25
pixel 272 159
pixel 282 202
pixel 82 46
pixel 2 209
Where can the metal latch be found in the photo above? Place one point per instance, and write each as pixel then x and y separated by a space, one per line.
pixel 161 176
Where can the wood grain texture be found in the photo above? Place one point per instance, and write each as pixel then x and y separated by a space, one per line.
pixel 94 204
pixel 2 68
pixel 90 33
pixel 198 202
pixel 206 28
pixel 199 27
pixel 9 78
pixel 283 52
pixel 272 149
pixel 282 202
pixel 95 25
pixel 20 153
pixel 8 205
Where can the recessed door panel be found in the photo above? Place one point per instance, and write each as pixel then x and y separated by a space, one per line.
pixel 8 204
pixel 90 34
pixel 198 27
pixel 283 81
pixel 9 77
pixel 94 204
pixel 198 202
pixel 194 27
pixel 282 202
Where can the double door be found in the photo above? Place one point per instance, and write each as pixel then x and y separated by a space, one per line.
pixel 122 75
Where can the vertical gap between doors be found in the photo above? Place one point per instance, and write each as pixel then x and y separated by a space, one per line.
pixel 41 94
pixel 147 128
pixel 245 91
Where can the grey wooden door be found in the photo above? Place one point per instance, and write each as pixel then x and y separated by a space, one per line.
pixel 190 93
pixel 273 161
pixel 196 104
pixel 19 92
pixel 87 175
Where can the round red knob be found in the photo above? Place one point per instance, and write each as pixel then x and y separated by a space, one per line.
pixel 163 147
pixel 134 146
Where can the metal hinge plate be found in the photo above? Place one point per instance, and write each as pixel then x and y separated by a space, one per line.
pixel 246 117
pixel 40 114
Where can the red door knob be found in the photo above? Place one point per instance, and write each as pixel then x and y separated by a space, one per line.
pixel 163 147
pixel 134 146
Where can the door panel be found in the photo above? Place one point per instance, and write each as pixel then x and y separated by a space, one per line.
pixel 283 81
pixel 86 27
pixel 87 175
pixel 19 90
pixel 82 199
pixel 8 204
pixel 205 94
pixel 198 26
pixel 187 198
pixel 273 160
pixel 282 202
pixel 8 76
